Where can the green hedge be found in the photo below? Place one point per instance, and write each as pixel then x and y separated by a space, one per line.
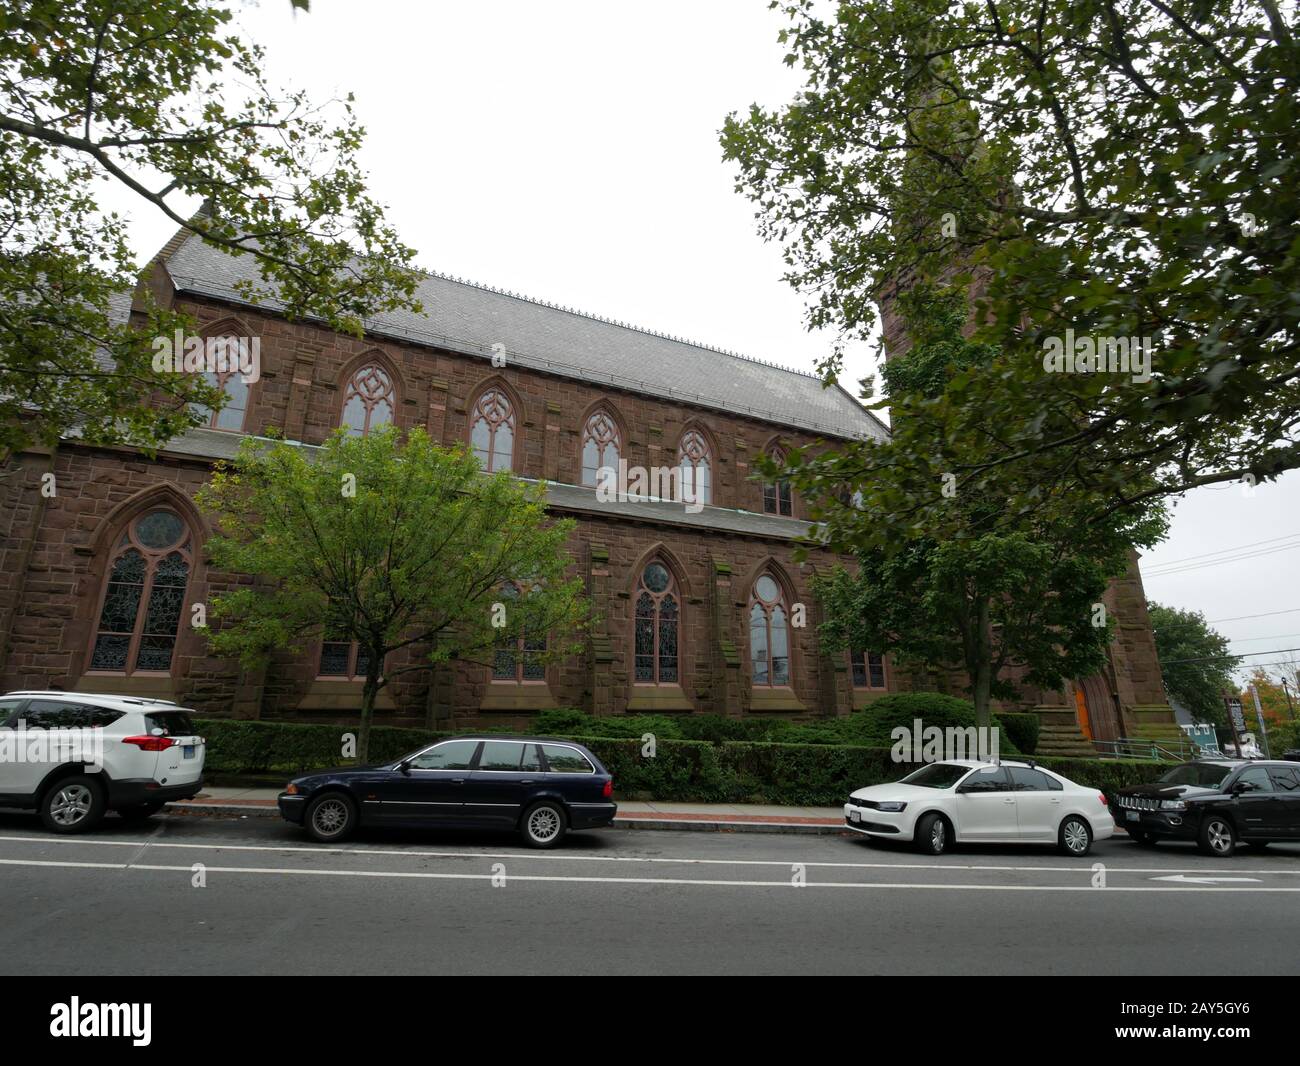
pixel 688 771
pixel 1021 730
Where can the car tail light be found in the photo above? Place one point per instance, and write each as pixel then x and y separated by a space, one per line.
pixel 608 790
pixel 150 743
pixel 1102 797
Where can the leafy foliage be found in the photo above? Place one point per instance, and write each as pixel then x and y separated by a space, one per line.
pixel 1182 636
pixel 390 544
pixel 1113 167
pixel 160 98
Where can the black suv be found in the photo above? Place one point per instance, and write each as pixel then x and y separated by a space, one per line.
pixel 1217 803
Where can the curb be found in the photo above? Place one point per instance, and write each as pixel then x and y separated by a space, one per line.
pixel 698 825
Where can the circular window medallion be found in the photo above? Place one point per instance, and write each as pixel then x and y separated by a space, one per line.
pixel 159 529
pixel 655 577
pixel 767 589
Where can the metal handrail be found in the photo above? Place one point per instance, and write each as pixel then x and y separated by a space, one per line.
pixel 1140 748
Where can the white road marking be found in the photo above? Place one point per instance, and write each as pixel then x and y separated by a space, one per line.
pixel 1083 866
pixel 785 883
pixel 1184 879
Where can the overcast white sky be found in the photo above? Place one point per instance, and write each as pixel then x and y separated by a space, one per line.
pixel 569 151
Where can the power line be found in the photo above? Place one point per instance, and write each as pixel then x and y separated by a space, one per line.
pixel 1243 617
pixel 1158 572
pixel 1276 636
pixel 1225 551
pixel 1235 655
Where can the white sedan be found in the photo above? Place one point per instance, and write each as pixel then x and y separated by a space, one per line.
pixel 969 802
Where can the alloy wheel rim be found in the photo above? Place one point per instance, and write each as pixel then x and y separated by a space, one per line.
pixel 937 835
pixel 1076 837
pixel 1220 838
pixel 543 824
pixel 330 817
pixel 71 805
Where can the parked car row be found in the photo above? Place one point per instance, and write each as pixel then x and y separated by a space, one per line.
pixel 75 756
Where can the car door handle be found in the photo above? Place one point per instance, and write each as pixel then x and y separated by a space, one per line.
pixel 1010 799
pixel 1055 800
pixel 457 780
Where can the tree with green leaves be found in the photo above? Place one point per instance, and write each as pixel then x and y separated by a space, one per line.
pixel 393 544
pixel 1107 173
pixel 1002 592
pixel 1194 660
pixel 163 100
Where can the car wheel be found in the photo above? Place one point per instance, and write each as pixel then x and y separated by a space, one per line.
pixel 1075 837
pixel 139 812
pixel 73 805
pixel 1217 837
pixel 1147 840
pixel 330 817
pixel 933 834
pixel 543 824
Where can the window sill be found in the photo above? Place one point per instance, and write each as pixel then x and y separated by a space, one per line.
pixel 659 698
pixel 774 699
pixel 511 696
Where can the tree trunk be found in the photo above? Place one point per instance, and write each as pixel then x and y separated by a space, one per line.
pixel 369 690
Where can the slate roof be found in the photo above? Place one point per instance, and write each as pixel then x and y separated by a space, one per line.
pixel 471 319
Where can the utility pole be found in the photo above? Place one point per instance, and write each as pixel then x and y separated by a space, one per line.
pixel 1289 705
pixel 1259 715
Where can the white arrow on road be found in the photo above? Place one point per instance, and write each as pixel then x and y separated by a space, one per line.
pixel 1184 879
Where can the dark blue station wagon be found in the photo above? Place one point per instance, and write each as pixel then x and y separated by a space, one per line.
pixel 539 786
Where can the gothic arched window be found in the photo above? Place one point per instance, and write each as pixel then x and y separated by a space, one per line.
pixel 492 431
pixel 776 494
pixel 695 460
pixel 228 378
pixel 656 627
pixel 769 634
pixel 144 595
pixel 368 401
pixel 601 446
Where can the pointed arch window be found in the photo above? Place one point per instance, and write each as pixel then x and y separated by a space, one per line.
pixel 656 627
pixel 601 447
pixel 696 462
pixel 144 596
pixel 769 634
pixel 519 659
pixel 776 494
pixel 227 377
pixel 368 401
pixel 492 431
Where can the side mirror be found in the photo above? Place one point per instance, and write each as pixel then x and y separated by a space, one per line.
pixel 404 767
pixel 1239 787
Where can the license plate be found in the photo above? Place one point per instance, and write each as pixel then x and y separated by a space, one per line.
pixel 188 751
pixel 855 816
pixel 1133 816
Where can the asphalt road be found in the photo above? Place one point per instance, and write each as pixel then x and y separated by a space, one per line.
pixel 125 900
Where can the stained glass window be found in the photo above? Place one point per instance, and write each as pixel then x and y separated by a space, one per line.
pixel 144 596
pixel 368 401
pixel 769 635
pixel 656 627
pixel 519 658
pixel 601 447
pixel 492 431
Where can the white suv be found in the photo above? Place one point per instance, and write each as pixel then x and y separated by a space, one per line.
pixel 74 755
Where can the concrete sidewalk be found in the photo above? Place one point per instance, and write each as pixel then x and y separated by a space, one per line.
pixel 717 817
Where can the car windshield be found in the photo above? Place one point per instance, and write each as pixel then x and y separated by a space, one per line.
pixel 936 775
pixel 1206 775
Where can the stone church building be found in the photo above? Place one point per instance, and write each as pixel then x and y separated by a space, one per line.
pixel 699 606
